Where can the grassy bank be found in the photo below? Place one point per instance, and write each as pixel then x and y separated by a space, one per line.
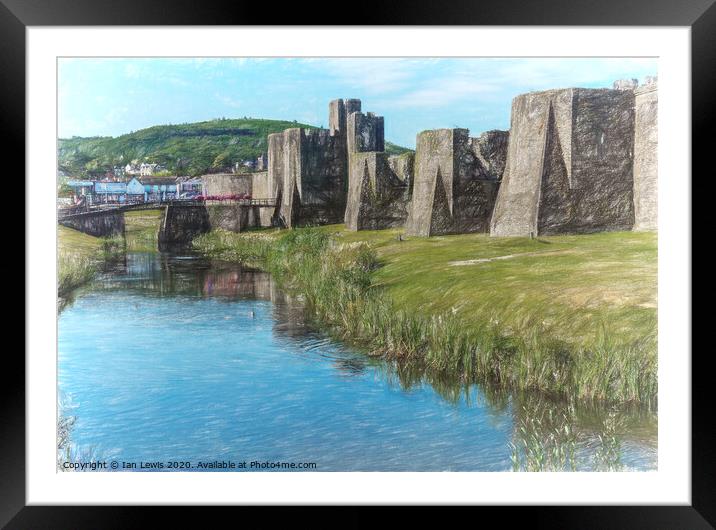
pixel 567 315
pixel 141 228
pixel 80 257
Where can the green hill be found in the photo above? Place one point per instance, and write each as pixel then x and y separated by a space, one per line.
pixel 186 149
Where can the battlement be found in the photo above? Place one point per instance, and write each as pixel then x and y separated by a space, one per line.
pixel 338 112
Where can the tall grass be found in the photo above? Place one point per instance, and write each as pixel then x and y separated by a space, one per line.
pixel 337 280
pixel 81 257
pixel 73 271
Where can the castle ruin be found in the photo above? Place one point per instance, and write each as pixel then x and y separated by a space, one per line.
pixel 575 160
pixel 456 181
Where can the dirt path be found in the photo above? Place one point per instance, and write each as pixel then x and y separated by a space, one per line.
pixel 508 256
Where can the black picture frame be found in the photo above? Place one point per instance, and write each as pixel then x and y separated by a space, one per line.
pixel 699 15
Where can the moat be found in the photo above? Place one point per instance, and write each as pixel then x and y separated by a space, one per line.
pixel 173 358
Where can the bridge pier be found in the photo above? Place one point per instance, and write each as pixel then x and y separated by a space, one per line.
pixel 180 224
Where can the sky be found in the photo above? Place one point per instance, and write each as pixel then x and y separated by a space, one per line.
pixel 115 96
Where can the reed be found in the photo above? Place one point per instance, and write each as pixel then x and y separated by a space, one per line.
pixel 521 345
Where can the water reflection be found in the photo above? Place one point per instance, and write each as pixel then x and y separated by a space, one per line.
pixel 244 372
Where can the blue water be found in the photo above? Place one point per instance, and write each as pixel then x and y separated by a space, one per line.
pixel 177 359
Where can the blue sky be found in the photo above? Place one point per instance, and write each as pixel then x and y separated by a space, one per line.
pixel 110 97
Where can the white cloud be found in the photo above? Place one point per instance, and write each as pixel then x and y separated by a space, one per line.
pixel 229 101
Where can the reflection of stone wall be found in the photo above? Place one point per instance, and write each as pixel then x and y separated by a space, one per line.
pixel 646 157
pixel 569 163
pixel 455 185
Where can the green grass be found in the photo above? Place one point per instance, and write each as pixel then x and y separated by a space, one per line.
pixel 568 315
pixel 572 283
pixel 141 228
pixel 80 257
pixel 77 255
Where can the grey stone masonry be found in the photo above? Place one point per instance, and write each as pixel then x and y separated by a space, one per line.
pixel 569 164
pixel 646 156
pixel 456 182
pixel 365 132
pixel 377 198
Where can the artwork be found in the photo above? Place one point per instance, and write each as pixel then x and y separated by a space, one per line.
pixel 354 264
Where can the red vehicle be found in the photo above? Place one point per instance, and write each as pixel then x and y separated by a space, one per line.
pixel 228 197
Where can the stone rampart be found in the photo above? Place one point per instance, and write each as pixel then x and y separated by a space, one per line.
pixel 569 164
pixel 455 184
pixel 227 183
pixel 377 198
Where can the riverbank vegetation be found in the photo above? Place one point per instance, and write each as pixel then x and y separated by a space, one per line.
pixel 572 316
pixel 80 257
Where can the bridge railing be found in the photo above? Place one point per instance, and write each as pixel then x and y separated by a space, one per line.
pixel 96 208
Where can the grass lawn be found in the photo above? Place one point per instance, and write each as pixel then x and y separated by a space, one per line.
pixel 141 228
pixel 75 243
pixel 576 285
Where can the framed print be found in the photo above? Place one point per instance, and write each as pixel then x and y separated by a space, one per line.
pixel 403 264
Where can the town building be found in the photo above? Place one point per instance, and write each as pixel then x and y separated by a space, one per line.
pixel 159 188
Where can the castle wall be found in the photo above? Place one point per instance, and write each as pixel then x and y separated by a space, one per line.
pixel 377 198
pixel 312 176
pixel 454 191
pixel 98 224
pixel 181 224
pixel 403 166
pixel 231 217
pixel 226 184
pixel 569 164
pixel 646 157
pixel 366 132
pixel 323 171
pixel 275 164
pixel 490 148
pixel 261 188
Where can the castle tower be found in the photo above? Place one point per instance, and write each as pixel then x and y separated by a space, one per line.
pixel 456 181
pixel 365 133
pixel 569 164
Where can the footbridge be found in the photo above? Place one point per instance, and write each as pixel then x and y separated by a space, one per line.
pixel 182 220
